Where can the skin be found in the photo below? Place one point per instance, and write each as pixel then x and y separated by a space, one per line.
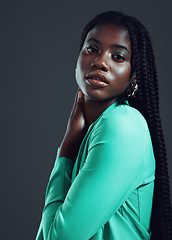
pixel 105 55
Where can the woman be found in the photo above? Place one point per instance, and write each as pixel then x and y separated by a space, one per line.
pixel 103 181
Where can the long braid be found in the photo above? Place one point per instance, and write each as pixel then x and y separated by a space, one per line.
pixel 147 102
pixel 150 109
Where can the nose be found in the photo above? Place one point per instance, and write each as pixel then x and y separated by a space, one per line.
pixel 101 63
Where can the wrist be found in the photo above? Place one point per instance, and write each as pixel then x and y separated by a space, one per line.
pixel 68 150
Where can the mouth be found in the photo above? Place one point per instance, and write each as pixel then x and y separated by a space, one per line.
pixel 96 79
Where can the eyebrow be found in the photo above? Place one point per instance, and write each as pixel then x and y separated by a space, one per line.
pixel 114 45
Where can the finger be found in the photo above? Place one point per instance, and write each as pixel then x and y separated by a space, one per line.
pixel 79 104
pixel 78 97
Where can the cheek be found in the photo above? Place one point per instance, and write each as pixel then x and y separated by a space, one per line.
pixel 79 72
pixel 81 67
pixel 123 72
pixel 78 68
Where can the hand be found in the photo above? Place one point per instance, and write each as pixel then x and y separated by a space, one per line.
pixel 76 129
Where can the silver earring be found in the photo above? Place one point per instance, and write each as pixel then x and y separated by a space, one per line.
pixel 132 90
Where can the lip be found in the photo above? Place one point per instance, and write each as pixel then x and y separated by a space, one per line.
pixel 97 79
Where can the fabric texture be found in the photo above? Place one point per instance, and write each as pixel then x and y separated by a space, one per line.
pixel 107 194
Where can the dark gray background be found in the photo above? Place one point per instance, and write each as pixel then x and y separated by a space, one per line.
pixel 39 44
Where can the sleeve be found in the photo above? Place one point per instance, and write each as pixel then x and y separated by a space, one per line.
pixel 57 188
pixel 112 171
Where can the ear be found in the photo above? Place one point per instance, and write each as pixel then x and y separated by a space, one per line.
pixel 134 79
pixel 133 87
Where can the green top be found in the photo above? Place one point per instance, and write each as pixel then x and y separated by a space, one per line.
pixel 108 193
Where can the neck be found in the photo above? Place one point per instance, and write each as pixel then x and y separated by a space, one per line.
pixel 93 109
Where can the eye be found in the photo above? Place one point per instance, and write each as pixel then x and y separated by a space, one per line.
pixel 118 58
pixel 92 49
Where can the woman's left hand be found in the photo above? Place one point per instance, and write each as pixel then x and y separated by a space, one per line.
pixel 76 129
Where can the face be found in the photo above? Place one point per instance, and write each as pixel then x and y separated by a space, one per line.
pixel 103 66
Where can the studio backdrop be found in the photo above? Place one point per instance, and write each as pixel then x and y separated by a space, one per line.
pixel 39 45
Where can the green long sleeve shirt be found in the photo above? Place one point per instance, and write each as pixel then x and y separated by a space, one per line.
pixel 108 192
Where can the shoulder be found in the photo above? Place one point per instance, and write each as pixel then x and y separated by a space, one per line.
pixel 123 118
pixel 122 132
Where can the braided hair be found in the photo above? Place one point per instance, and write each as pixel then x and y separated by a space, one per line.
pixel 147 102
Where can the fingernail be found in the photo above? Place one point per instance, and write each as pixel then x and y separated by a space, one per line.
pixel 79 94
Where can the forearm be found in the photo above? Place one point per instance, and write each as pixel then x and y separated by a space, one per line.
pixel 57 188
pixel 69 149
pixel 75 131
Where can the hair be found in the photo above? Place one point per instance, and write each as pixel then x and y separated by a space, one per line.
pixel 147 102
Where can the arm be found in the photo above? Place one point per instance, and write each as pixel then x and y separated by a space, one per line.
pixel 76 129
pixel 113 169
pixel 57 188
pixel 60 178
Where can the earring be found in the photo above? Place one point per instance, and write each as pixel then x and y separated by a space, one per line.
pixel 132 90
